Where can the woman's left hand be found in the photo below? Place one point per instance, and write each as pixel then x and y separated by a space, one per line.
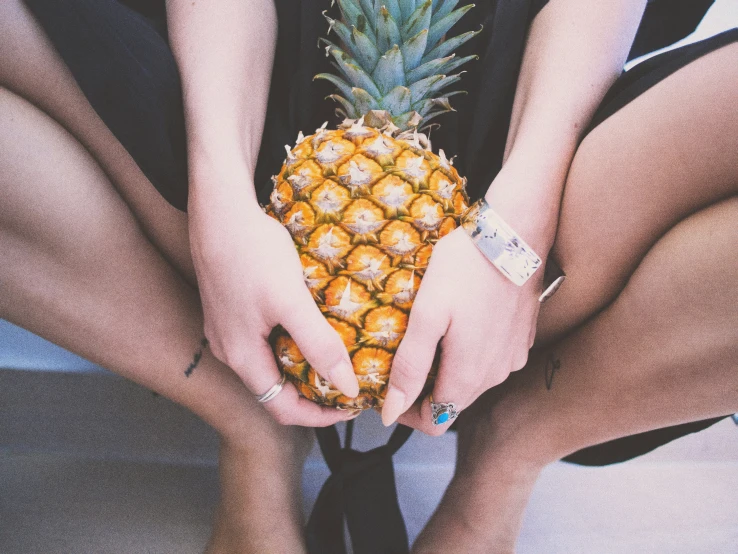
pixel 487 324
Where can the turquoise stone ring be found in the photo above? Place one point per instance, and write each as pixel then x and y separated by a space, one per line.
pixel 442 412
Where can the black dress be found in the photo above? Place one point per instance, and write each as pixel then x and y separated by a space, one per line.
pixel 119 54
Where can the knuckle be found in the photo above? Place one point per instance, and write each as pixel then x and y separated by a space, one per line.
pixel 235 357
pixel 403 370
pixel 465 382
pixel 520 361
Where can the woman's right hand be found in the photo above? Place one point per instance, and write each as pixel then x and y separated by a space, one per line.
pixel 250 279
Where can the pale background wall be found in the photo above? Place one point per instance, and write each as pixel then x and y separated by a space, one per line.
pixel 90 463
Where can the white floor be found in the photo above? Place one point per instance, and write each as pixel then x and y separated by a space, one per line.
pixel 57 504
pixel 90 463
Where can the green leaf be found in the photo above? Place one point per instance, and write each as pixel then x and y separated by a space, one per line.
pixel 354 16
pixel 388 33
pixel 363 101
pixel 443 83
pixel 368 7
pixel 413 49
pixel 408 120
pixel 407 7
pixel 353 72
pixel 436 5
pixel 419 20
pixel 428 104
pixel 393 6
pixel 390 70
pixel 343 87
pixel 348 107
pixel 446 8
pixel 441 27
pixel 420 88
pixel 366 51
pixel 344 34
pixel 448 46
pixel 397 101
pixel 456 62
pixel 433 67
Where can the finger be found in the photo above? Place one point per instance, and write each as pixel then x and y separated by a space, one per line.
pixel 259 372
pixel 461 371
pixel 319 342
pixel 412 416
pixel 419 417
pixel 413 359
pixel 254 363
pixel 289 408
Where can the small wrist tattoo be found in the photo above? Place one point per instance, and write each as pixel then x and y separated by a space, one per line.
pixel 196 358
pixel 553 364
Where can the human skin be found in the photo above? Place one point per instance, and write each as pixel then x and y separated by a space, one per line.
pixel 574 52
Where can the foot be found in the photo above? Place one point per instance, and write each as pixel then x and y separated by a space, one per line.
pixel 482 509
pixel 260 508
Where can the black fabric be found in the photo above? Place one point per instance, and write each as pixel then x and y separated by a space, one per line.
pixel 667 21
pixel 118 52
pixel 362 489
pixel 626 448
pixel 127 71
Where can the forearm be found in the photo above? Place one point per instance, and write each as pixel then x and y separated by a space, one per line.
pixel 575 51
pixel 224 50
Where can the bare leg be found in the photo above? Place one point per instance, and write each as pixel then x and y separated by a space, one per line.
pixel 78 270
pixel 31 67
pixel 663 352
pixel 102 290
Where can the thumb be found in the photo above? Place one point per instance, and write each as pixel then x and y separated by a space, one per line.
pixel 412 362
pixel 319 342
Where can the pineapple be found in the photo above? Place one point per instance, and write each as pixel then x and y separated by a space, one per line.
pixel 366 202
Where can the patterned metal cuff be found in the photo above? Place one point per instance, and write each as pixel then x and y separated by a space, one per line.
pixel 499 243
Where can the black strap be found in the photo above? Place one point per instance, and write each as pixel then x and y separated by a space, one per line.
pixel 362 489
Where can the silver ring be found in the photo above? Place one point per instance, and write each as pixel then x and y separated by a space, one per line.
pixel 274 391
pixel 442 412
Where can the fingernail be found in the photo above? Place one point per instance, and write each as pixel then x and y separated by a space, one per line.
pixel 394 404
pixel 349 384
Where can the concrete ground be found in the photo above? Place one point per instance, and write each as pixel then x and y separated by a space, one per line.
pixel 93 464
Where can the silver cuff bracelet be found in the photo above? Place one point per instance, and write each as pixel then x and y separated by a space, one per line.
pixel 507 251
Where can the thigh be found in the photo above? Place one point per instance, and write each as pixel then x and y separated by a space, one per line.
pixel 664 155
pixel 33 69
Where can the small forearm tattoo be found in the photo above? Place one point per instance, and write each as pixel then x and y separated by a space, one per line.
pixel 553 364
pixel 196 357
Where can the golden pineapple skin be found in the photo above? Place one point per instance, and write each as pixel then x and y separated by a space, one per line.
pixel 364 209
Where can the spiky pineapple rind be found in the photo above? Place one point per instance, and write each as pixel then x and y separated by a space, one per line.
pixel 409 198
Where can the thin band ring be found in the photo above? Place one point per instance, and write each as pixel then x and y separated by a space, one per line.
pixel 272 392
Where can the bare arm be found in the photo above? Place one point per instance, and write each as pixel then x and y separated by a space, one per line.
pixel 225 51
pixel 575 51
pixel 248 272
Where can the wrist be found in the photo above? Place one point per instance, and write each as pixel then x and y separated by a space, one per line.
pixel 221 180
pixel 530 207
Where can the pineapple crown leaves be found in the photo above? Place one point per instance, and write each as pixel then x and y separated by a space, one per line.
pixel 393 58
